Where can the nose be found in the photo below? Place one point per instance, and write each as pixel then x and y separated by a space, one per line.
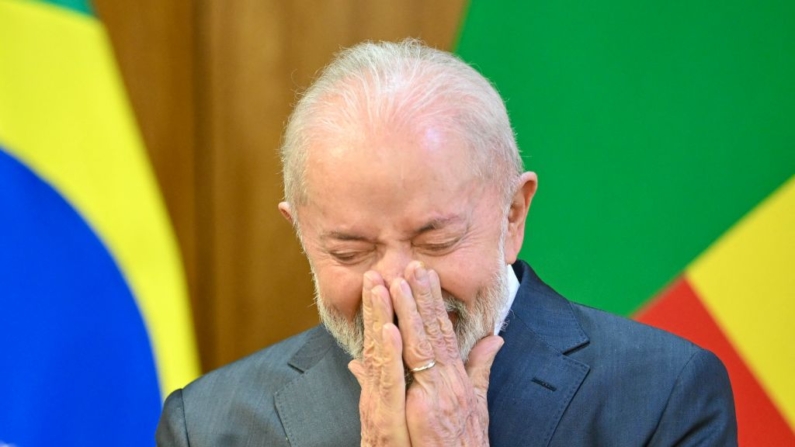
pixel 392 263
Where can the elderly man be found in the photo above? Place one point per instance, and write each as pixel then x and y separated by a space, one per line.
pixel 405 186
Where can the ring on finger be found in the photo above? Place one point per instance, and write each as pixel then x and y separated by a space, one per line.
pixel 424 367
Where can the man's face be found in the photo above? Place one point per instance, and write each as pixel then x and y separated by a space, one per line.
pixel 381 203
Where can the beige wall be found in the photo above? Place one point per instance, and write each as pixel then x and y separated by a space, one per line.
pixel 211 83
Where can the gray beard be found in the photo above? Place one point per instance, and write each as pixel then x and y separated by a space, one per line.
pixel 470 327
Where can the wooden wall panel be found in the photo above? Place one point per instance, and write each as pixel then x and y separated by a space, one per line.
pixel 154 43
pixel 212 83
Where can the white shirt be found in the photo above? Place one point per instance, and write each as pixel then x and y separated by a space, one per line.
pixel 513 288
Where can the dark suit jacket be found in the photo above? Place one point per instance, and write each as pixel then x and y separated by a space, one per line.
pixel 567 375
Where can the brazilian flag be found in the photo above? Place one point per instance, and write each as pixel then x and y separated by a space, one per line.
pixel 94 310
pixel 663 134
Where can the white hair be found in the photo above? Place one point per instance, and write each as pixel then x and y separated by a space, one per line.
pixel 405 85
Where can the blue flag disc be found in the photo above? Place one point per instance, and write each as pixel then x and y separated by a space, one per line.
pixel 76 364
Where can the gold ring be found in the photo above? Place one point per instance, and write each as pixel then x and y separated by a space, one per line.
pixel 429 365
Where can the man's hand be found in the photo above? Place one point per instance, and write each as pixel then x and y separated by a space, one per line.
pixel 382 405
pixel 444 405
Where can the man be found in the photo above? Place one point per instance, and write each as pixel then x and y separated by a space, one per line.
pixel 405 186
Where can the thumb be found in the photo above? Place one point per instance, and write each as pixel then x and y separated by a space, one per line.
pixel 357 369
pixel 481 358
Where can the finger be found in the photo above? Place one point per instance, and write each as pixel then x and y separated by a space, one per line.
pixel 481 358
pixel 430 306
pixel 417 350
pixel 383 312
pixel 445 325
pixel 391 393
pixel 356 367
pixel 382 406
pixel 392 380
pixel 369 281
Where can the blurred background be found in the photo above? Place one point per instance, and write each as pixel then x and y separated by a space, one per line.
pixel 663 135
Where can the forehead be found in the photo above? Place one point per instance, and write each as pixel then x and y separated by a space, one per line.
pixel 405 154
pixel 390 177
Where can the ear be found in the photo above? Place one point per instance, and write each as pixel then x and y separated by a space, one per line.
pixel 517 214
pixel 287 212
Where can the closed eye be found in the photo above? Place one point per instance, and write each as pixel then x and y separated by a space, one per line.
pixel 439 248
pixel 348 257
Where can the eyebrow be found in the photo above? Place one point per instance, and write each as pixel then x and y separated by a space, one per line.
pixel 433 224
pixel 342 236
pixel 438 223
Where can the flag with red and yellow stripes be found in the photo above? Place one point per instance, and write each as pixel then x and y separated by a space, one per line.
pixel 663 137
pixel 734 299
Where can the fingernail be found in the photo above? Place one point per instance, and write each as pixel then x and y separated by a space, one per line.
pixel 368 282
pixel 404 287
pixel 421 273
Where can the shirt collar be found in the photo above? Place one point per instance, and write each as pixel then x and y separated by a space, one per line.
pixel 512 289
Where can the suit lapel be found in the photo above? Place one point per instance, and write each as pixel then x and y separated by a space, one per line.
pixel 532 380
pixel 320 407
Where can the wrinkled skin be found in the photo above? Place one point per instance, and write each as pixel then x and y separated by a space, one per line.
pixel 444 405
